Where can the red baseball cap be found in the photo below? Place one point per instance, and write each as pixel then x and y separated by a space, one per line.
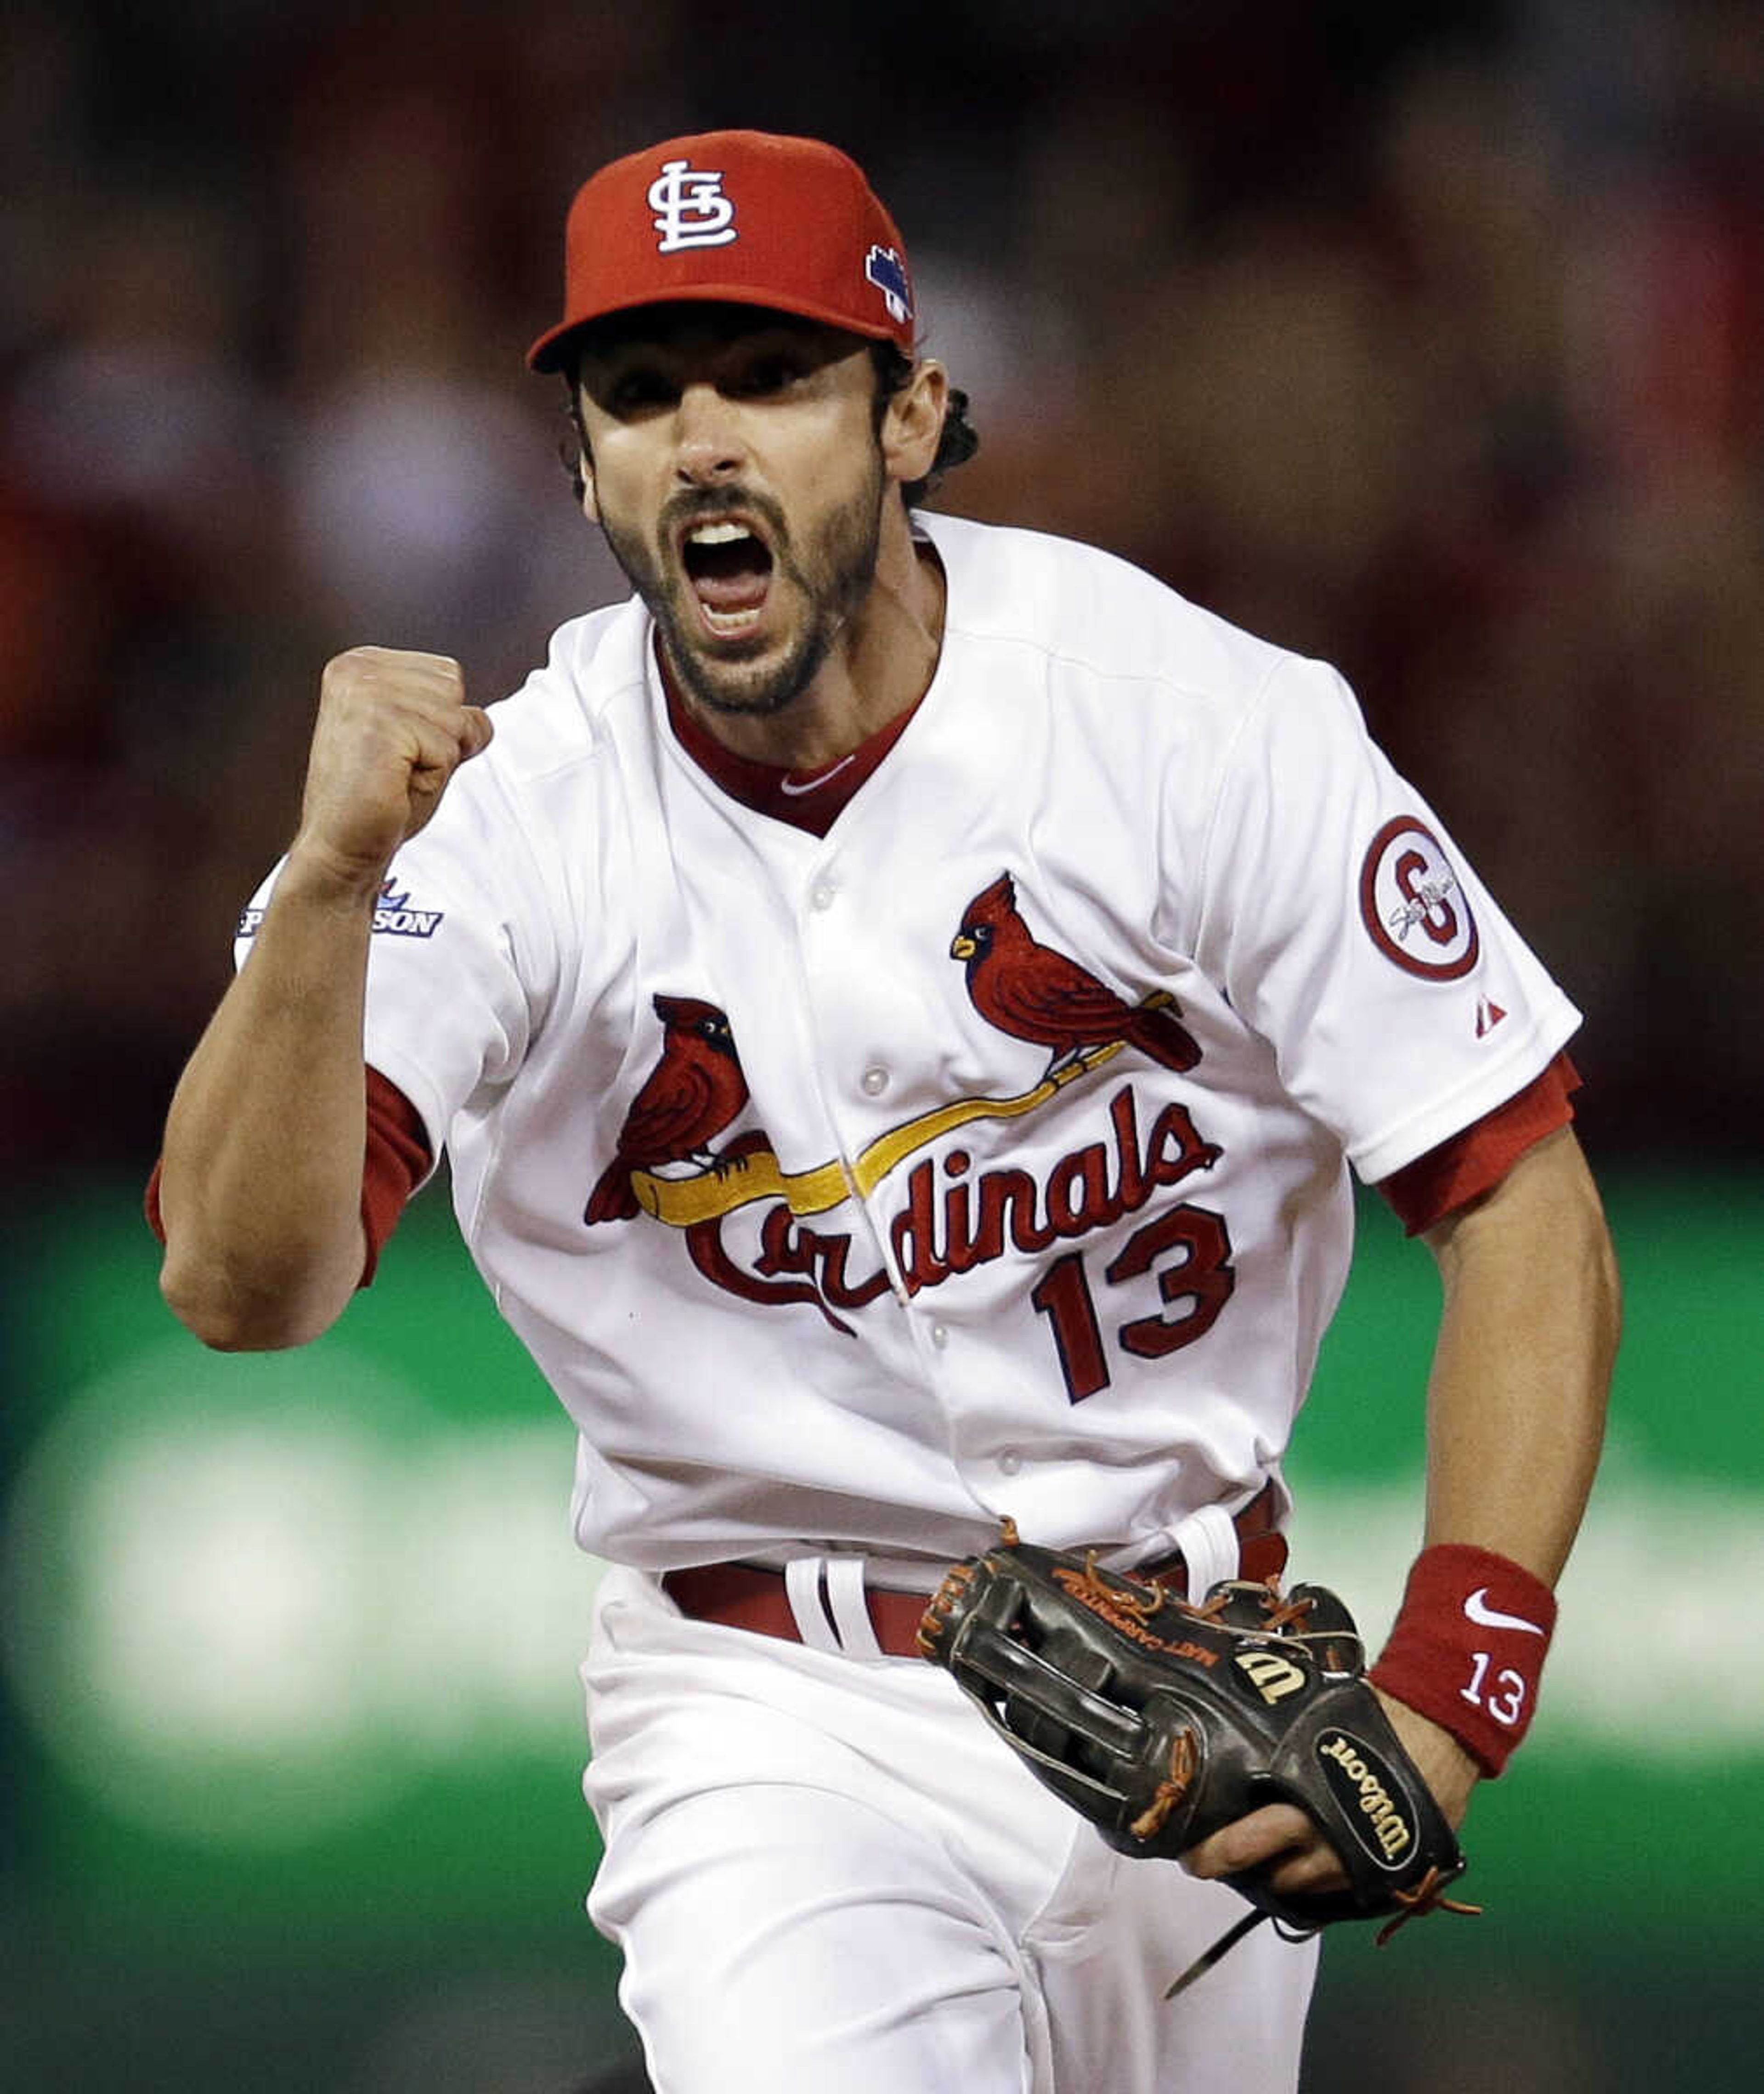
pixel 737 218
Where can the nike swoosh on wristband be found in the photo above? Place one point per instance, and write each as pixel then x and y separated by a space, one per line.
pixel 1477 1609
pixel 791 786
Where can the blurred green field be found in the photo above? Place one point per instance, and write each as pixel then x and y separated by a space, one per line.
pixel 292 1724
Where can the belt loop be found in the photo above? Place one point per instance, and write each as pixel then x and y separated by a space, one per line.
pixel 802 1589
pixel 850 1611
pixel 1207 1541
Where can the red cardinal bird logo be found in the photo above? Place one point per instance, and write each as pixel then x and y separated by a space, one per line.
pixel 693 1092
pixel 1035 993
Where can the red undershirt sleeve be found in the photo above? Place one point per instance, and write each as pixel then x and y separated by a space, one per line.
pixel 396 1162
pixel 1475 1161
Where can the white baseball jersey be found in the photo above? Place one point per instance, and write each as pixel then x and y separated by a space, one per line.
pixel 987 1155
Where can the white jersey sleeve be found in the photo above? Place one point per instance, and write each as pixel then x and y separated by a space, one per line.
pixel 455 979
pixel 507 914
pixel 469 877
pixel 1345 926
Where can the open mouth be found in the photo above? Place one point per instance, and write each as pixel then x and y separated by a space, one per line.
pixel 728 567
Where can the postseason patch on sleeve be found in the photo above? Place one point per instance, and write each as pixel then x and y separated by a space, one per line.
pixel 394 916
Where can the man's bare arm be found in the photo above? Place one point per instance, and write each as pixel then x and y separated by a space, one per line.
pixel 1521 1374
pixel 260 1176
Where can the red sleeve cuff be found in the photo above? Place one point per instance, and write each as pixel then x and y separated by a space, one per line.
pixel 1473 1163
pixel 396 1162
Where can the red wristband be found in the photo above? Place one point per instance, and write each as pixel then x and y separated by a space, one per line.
pixel 1468 1646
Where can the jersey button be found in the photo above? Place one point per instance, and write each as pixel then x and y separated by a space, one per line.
pixel 1010 1462
pixel 822 895
pixel 939 1336
pixel 876 1081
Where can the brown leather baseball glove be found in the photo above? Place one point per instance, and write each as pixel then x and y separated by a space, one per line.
pixel 1161 1722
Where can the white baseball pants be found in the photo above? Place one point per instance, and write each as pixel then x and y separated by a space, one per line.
pixel 828 1875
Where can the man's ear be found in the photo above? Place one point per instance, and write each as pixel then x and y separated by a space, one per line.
pixel 912 424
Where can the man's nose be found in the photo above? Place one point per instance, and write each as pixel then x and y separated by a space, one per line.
pixel 709 446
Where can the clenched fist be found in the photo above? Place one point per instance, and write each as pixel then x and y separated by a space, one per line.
pixel 393 728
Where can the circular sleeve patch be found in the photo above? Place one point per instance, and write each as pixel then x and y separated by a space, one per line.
pixel 1413 906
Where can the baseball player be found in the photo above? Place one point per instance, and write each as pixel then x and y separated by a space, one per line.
pixel 901 999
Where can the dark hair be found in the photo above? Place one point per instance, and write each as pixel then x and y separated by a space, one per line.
pixel 960 439
pixel 894 370
pixel 574 448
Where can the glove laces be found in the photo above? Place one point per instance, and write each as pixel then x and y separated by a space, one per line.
pixel 1427 1896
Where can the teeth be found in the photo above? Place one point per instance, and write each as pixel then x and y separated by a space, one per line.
pixel 717 534
pixel 730 621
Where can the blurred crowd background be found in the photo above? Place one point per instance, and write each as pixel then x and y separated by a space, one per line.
pixel 1426 337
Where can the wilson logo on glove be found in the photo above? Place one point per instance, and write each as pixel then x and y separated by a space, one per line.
pixel 1274 1677
pixel 1366 1785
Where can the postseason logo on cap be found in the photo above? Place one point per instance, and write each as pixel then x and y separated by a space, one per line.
pixel 885 269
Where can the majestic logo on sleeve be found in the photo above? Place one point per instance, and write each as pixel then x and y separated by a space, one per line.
pixel 1414 905
pixel 950 1218
pixel 690 208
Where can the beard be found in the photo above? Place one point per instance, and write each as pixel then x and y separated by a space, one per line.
pixel 831 574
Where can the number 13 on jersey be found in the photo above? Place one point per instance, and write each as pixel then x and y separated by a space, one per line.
pixel 1186 1248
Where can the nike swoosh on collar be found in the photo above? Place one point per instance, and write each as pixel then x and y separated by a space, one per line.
pixel 1477 1609
pixel 814 784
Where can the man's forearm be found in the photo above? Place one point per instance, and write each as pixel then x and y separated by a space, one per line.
pixel 1515 1419
pixel 261 1187
pixel 260 1184
pixel 1517 1397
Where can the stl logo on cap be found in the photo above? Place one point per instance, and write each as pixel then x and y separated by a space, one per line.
pixel 745 218
pixel 885 269
pixel 690 208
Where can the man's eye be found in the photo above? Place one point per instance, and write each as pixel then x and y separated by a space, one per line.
pixel 770 374
pixel 638 391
